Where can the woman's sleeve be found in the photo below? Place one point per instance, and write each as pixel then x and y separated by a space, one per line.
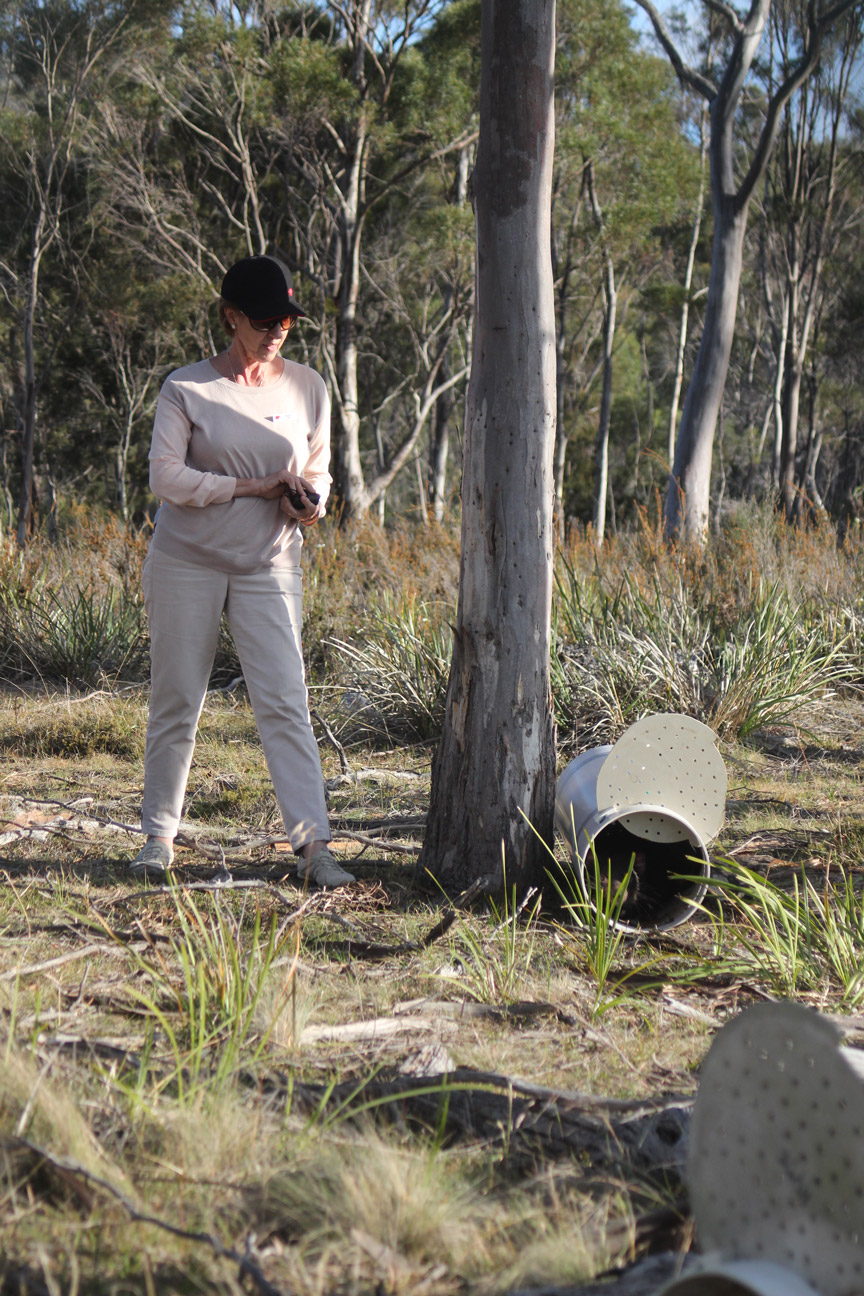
pixel 171 478
pixel 317 466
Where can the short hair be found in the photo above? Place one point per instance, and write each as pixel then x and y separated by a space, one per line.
pixel 223 318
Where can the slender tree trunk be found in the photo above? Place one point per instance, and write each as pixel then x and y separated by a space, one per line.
pixel 348 482
pixel 610 306
pixel 560 454
pixel 494 772
pixel 777 405
pixel 686 508
pixel 601 447
pixel 28 412
pixel 789 403
pixel 121 459
pixel 439 450
pixel 439 442
pixel 684 323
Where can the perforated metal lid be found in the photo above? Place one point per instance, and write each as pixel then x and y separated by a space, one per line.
pixel 776 1162
pixel 669 761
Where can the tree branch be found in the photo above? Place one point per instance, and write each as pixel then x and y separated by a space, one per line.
pixel 726 11
pixel 75 1170
pixel 383 479
pixel 783 94
pixel 686 75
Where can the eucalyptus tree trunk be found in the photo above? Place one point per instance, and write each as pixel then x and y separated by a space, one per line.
pixel 28 411
pixel 793 371
pixel 688 494
pixel 609 296
pixel 493 776
pixel 684 322
pixel 348 481
pixel 439 450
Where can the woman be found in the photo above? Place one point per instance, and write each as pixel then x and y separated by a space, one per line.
pixel 231 434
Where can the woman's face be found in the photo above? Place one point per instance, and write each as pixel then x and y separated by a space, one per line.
pixel 257 343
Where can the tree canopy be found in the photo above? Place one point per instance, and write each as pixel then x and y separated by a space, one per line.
pixel 146 145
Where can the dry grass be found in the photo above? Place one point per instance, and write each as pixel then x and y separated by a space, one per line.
pixel 189 1078
pixel 92 1047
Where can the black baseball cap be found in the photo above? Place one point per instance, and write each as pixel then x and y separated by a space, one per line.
pixel 261 287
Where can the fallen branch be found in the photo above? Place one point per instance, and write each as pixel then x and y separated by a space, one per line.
pixel 218 884
pixel 370 776
pixel 366 840
pixel 375 1029
pixel 35 968
pixel 469 1010
pixel 246 1264
pixel 679 1009
pixel 74 806
pixel 603 1133
pixel 645 1278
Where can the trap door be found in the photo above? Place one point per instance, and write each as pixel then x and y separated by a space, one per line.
pixel 670 762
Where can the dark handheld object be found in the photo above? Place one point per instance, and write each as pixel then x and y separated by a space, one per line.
pixel 297 499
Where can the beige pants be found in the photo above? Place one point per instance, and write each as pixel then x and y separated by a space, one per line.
pixel 184 605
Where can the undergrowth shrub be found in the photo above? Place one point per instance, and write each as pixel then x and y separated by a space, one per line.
pixel 73 612
pixel 78 635
pixel 740 633
pixel 663 647
pixel 397 669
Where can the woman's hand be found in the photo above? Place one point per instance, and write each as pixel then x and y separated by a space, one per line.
pixel 269 488
pixel 307 515
pixel 274 486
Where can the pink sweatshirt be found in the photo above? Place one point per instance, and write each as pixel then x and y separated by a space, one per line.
pixel 208 432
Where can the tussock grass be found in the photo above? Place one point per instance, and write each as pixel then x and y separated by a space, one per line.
pixel 802 938
pixel 432 1211
pixel 398 666
pixel 669 647
pixel 742 634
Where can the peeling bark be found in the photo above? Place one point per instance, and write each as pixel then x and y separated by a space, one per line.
pixel 494 772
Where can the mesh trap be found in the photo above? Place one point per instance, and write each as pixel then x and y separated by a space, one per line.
pixel 776 1163
pixel 670 762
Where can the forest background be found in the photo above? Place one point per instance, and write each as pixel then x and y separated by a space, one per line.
pixel 145 146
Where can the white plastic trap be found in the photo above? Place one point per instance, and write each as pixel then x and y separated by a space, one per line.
pixel 739 1278
pixel 662 783
pixel 776 1159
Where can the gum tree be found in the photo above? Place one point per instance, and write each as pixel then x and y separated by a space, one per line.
pixel 494 772
pixel 617 120
pixel 735 172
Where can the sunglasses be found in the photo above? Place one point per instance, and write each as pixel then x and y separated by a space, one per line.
pixel 283 323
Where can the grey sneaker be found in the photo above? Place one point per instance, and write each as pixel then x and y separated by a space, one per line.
pixel 322 869
pixel 152 861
